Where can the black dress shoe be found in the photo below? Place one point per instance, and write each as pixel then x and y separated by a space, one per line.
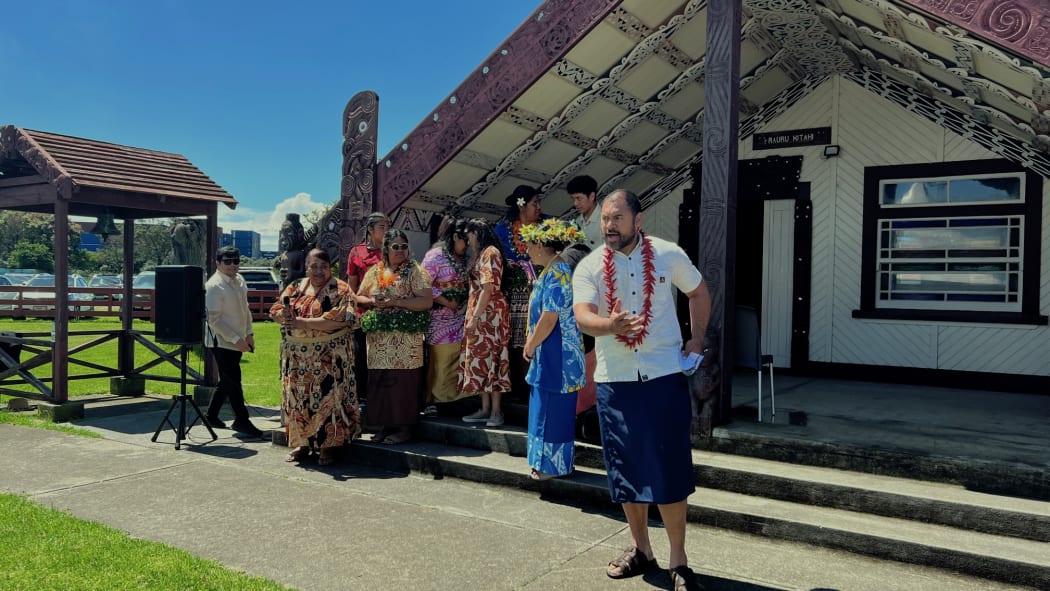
pixel 215 423
pixel 247 428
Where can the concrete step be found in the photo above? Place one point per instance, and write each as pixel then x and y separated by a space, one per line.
pixel 932 502
pixel 994 557
pixel 797 445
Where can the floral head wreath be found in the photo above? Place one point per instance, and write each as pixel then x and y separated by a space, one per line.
pixel 551 230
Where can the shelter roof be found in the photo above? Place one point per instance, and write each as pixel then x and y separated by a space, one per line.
pixel 616 90
pixel 38 167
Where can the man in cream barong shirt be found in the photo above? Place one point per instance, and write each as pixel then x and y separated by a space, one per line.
pixel 229 335
pixel 624 295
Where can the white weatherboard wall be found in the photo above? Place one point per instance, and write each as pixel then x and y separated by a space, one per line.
pixel 873 131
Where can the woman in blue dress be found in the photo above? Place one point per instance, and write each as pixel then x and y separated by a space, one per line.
pixel 554 346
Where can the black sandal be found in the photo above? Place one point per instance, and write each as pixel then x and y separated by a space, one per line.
pixel 298 454
pixel 630 563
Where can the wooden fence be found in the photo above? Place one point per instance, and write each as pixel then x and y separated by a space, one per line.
pixel 18 301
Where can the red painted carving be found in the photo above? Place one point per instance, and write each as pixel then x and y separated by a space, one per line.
pixel 1019 26
pixel 543 39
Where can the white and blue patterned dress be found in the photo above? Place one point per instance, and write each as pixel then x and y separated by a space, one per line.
pixel 556 374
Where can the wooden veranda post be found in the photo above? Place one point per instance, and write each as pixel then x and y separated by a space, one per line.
pixel 60 352
pixel 718 190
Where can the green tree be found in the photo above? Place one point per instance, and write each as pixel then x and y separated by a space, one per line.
pixel 32 255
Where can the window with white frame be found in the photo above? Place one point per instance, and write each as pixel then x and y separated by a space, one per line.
pixel 949 241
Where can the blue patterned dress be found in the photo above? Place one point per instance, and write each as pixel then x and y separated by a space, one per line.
pixel 556 374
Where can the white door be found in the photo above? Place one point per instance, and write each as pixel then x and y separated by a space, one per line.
pixel 777 273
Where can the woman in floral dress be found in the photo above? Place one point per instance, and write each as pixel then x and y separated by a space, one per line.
pixel 446 263
pixel 397 293
pixel 484 365
pixel 523 207
pixel 554 348
pixel 318 394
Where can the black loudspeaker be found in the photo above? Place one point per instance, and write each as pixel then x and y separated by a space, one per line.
pixel 178 303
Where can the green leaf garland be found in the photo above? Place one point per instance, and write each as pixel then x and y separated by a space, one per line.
pixel 395 321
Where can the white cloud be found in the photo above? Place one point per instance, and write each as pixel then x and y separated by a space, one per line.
pixel 267 223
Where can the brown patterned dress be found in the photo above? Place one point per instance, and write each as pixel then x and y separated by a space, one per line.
pixel 484 364
pixel 318 393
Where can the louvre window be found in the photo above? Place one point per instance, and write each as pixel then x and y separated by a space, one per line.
pixel 949 242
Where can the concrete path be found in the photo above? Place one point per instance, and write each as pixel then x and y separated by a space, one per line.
pixel 351 527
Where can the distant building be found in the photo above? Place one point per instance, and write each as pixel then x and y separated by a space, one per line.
pixel 90 242
pixel 246 241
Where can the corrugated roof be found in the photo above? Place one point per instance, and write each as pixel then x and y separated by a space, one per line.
pixel 92 163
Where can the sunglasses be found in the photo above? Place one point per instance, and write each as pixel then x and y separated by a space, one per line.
pixel 398 247
pixel 231 261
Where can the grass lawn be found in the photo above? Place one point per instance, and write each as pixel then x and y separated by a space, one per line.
pixel 46 549
pixel 260 370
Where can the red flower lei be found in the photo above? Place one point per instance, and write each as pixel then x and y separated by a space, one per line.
pixel 519 244
pixel 649 270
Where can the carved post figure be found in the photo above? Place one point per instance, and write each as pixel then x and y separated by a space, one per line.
pixel 188 244
pixel 292 244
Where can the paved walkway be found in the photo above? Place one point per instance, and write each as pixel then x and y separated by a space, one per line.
pixel 350 527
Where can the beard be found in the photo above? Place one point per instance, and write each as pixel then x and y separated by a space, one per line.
pixel 620 241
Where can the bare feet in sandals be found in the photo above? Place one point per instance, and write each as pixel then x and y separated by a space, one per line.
pixel 298 454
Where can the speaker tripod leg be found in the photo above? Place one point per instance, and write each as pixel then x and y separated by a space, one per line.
pixel 200 415
pixel 174 401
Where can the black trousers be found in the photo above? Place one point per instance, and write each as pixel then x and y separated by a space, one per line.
pixel 229 388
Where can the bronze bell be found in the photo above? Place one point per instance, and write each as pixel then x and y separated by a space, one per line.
pixel 105 227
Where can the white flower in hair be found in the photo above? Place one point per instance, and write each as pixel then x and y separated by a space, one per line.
pixel 521 202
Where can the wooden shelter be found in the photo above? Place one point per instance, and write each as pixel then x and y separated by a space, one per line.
pixel 827 103
pixel 64 175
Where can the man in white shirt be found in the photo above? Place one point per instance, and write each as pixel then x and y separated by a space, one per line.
pixel 229 335
pixel 624 294
pixel 584 192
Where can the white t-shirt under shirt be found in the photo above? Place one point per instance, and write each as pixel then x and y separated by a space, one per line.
pixel 661 351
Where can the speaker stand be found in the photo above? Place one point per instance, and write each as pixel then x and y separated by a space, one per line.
pixel 180 401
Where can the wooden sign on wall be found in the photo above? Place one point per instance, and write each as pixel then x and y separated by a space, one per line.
pixel 794 137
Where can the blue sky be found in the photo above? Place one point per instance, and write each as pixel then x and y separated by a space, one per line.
pixel 252 92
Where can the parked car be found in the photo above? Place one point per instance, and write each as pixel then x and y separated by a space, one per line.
pixel 6 295
pixel 144 280
pixel 47 280
pixel 262 279
pixel 107 281
pixel 259 277
pixel 19 278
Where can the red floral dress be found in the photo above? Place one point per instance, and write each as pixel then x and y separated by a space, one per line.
pixel 484 364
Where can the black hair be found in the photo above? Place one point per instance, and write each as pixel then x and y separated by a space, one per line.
pixel 391 235
pixel 486 236
pixel 456 228
pixel 374 218
pixel 227 252
pixel 520 192
pixel 582 184
pixel 320 254
pixel 633 202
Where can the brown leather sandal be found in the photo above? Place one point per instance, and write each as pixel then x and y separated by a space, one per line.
pixel 630 563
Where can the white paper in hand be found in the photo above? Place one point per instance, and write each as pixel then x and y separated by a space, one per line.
pixel 690 362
